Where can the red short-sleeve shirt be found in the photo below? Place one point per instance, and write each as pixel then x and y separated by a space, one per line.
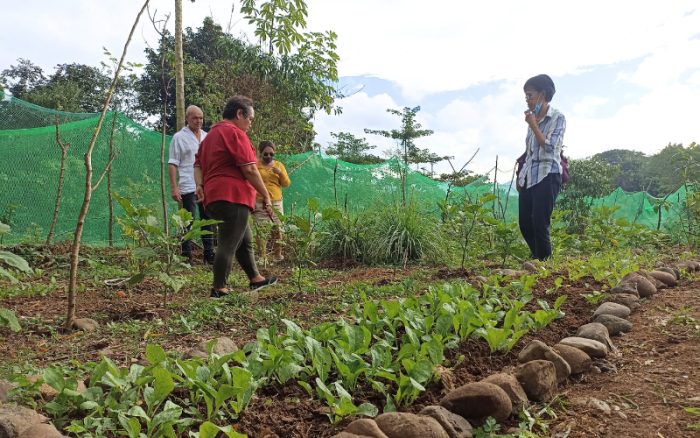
pixel 220 156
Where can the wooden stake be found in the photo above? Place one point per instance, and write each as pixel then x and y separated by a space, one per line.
pixel 64 151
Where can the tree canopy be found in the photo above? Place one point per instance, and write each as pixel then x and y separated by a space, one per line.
pixel 287 89
pixel 75 88
pixel 351 149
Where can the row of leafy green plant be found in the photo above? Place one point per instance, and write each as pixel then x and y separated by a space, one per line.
pixel 467 230
pixel 392 346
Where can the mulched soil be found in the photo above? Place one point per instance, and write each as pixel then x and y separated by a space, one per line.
pixel 657 373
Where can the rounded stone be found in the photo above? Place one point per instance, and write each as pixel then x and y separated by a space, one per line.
pixel 627 300
pixel 455 425
pixel 614 324
pixel 5 388
pixel 481 279
pixel 535 350
pixel 689 266
pixel 560 365
pixel 509 384
pixel 86 324
pixel 596 331
pixel 223 346
pixel 478 401
pixel 578 361
pixel 538 379
pixel 612 309
pixel 589 346
pixel 645 288
pixel 529 267
pixel 14 420
pixel 365 427
pixel 346 435
pixel 509 272
pixel 676 273
pixel 45 389
pixel 666 278
pixel 626 289
pixel 40 431
pixel 402 425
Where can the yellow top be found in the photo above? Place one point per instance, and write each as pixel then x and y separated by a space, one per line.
pixel 274 182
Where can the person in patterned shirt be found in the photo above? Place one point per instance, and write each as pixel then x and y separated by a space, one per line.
pixel 539 180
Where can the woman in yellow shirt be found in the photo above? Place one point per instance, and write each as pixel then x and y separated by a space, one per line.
pixel 275 177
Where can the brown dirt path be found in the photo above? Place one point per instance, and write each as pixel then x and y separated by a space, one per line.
pixel 657 376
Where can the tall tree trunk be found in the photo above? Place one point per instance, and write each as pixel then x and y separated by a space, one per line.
pixel 109 184
pixel 179 68
pixel 162 144
pixel 89 188
pixel 64 151
pixel 162 172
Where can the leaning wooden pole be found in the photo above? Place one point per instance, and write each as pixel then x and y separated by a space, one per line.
pixel 335 183
pixel 89 188
pixel 109 183
pixel 64 151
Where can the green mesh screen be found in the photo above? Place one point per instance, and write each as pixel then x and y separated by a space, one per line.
pixel 30 160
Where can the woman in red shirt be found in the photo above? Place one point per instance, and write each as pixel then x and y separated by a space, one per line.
pixel 227 178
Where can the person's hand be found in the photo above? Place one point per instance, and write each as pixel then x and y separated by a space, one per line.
pixel 266 203
pixel 276 171
pixel 530 118
pixel 176 195
pixel 517 185
pixel 200 194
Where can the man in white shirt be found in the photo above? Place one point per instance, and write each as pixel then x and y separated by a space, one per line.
pixel 183 148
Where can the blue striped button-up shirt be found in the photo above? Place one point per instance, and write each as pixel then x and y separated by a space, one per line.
pixel 541 161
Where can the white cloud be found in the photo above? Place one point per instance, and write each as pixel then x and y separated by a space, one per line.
pixel 662 116
pixel 494 124
pixel 451 45
pixel 435 47
pixel 359 112
pixel 667 64
pixel 587 105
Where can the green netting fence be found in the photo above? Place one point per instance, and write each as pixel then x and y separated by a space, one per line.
pixel 30 160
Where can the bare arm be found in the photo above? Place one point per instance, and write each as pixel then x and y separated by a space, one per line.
pixel 174 190
pixel 199 180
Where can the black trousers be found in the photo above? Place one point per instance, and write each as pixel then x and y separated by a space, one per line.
pixel 535 211
pixel 235 240
pixel 189 203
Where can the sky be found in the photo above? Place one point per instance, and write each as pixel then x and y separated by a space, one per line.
pixel 627 74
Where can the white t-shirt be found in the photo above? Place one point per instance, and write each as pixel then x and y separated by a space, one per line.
pixel 183 148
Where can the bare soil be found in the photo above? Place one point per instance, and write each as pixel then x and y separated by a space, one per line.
pixel 656 364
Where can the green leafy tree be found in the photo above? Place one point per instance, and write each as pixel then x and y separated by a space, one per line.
pixel 588 178
pixel 459 179
pixel 351 149
pixel 287 89
pixel 25 76
pixel 76 88
pixel 277 23
pixel 665 170
pixel 405 136
pixel 630 176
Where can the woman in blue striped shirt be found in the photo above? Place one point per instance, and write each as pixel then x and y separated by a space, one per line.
pixel 539 180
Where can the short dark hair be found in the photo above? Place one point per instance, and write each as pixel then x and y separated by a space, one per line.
pixel 542 83
pixel 266 144
pixel 237 103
